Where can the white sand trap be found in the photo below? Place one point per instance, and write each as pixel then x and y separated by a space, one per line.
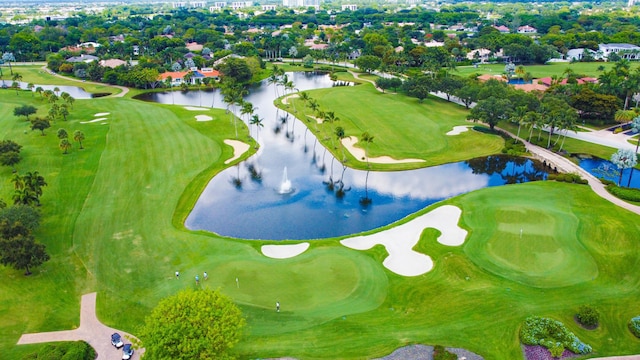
pixel 203 118
pixel 102 114
pixel 400 240
pixel 194 108
pixel 284 251
pixel 317 119
pixel 359 153
pixel 457 130
pixel 239 148
pixel 285 100
pixel 92 121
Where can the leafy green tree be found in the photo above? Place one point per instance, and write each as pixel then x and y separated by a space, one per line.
pixel 9 146
pixel 419 87
pixel 368 63
pixel 40 124
pixel 307 61
pixel 22 252
pixel 192 324
pixel 79 137
pixel 18 247
pixel 10 158
pixel 491 111
pixel 25 110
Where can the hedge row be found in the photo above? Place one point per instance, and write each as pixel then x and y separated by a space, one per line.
pixel 569 178
pixel 624 193
pixel 72 350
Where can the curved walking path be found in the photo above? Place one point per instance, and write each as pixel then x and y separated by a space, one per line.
pixel 90 330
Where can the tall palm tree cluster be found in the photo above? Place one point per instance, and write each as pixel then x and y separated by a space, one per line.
pixel 28 188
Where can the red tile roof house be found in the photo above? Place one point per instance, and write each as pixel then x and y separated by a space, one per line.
pixel 177 77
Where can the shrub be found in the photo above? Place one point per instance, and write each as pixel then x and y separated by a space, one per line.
pixel 588 316
pixel 618 130
pixel 634 326
pixel 72 350
pixel 551 334
pixel 629 194
pixel 440 353
pixel 569 178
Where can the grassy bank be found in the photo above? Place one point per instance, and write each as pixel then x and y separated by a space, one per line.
pixel 112 223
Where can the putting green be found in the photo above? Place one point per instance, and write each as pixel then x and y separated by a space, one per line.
pixel 536 243
pixel 318 286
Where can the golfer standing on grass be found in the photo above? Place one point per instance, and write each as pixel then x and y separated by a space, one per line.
pixel 277 306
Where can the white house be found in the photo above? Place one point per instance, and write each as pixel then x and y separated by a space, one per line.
pixel 527 30
pixel 578 54
pixel 624 51
pixel 350 7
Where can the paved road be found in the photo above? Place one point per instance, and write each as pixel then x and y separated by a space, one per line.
pixel 91 330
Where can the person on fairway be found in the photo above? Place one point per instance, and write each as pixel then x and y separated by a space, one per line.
pixel 277 306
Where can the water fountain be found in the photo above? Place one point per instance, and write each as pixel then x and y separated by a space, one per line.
pixel 285 185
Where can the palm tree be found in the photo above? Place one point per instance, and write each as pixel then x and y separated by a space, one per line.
pixel 70 100
pixel 624 159
pixel 62 134
pixel 79 137
pixel 624 116
pixel 635 125
pixel 569 120
pixel 257 121
pixel 56 90
pixel 39 90
pixel 247 108
pixel 518 117
pixel 339 131
pixel 367 139
pixel 65 145
pixel 30 87
pixel 64 111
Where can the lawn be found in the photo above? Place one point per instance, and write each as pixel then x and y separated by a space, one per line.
pixel 540 71
pixel 38 75
pixel 112 221
pixel 401 126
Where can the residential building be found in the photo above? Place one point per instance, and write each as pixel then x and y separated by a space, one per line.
pixel 503 29
pixel 624 51
pixel 197 4
pixel 178 5
pixel 350 7
pixel 269 7
pixel 527 30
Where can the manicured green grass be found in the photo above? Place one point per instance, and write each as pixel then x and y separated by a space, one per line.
pixel 401 126
pixel 36 74
pixel 540 71
pixel 113 224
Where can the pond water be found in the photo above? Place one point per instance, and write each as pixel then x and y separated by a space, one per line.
pixel 294 189
pixel 74 91
pixel 601 168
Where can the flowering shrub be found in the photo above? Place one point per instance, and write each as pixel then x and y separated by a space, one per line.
pixel 553 335
pixel 634 326
pixel 588 316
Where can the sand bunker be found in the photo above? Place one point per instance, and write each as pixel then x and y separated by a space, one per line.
pixel 193 108
pixel 92 121
pixel 457 130
pixel 203 118
pixel 284 251
pixel 285 100
pixel 317 119
pixel 400 240
pixel 239 148
pixel 359 154
pixel 101 114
